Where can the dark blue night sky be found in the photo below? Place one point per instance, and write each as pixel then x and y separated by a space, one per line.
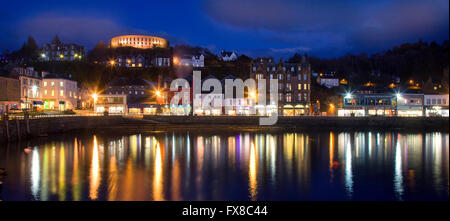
pixel 323 28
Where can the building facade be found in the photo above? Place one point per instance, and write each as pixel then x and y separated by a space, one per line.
pixel 111 103
pixel 436 105
pixel 138 41
pixel 30 87
pixel 410 105
pixel 374 104
pixel 59 93
pixel 294 86
pixel 60 51
pixel 9 93
pixel 140 94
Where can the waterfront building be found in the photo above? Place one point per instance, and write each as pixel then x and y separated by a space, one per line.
pixel 436 105
pixel 140 94
pixel 111 103
pixel 60 51
pixel 138 41
pixel 9 93
pixel 369 104
pixel 410 104
pixel 294 86
pixel 30 87
pixel 59 93
pixel 228 55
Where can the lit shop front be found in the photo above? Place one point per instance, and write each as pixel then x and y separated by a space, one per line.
pixel 179 110
pixel 150 109
pixel 436 111
pixel 111 103
pixel 368 105
pixel 297 110
pixel 351 112
pixel 410 105
pixel 267 110
pixel 436 105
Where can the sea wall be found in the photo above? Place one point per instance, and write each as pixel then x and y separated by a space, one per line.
pixel 19 130
pixel 315 122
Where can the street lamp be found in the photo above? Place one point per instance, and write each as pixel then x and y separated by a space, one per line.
pixel 157 93
pixel 348 95
pixel 95 97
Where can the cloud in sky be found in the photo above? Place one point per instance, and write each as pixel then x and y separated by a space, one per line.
pixel 353 25
pixel 273 27
pixel 82 30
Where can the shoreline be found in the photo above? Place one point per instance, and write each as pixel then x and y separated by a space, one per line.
pixel 20 130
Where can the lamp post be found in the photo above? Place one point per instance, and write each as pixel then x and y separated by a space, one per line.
pixel 398 97
pixel 94 96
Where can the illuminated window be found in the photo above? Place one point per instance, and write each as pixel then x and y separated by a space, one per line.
pixel 45 84
pixel 299 86
pixel 61 84
pixel 45 92
pixel 53 93
pixel 53 83
pixel 288 97
pixel 61 93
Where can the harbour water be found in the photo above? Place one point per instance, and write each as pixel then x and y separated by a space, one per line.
pixel 159 166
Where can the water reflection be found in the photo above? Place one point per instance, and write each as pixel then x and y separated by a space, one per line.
pixel 242 166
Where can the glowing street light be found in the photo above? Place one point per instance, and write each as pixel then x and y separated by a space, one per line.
pixel 157 93
pixel 252 94
pixel 43 55
pixel 95 96
pixel 175 60
pixel 348 95
pixel 112 62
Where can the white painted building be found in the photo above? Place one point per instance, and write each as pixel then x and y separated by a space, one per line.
pixel 59 93
pixel 436 105
pixel 410 105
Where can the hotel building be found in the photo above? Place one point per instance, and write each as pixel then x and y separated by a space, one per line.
pixel 294 86
pixel 59 51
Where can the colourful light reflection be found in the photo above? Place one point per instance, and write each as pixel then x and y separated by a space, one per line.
pixel 253 183
pixel 95 172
